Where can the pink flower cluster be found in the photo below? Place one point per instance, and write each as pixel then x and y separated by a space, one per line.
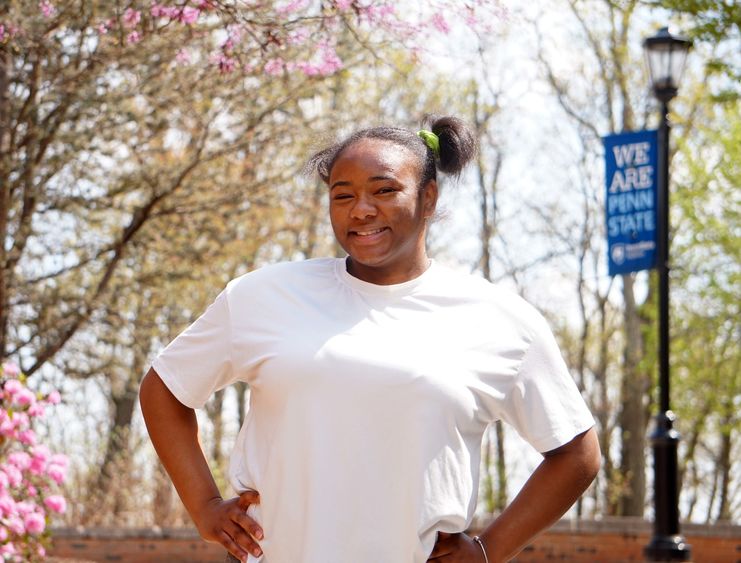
pixel 310 26
pixel 47 9
pixel 29 472
pixel 185 14
pixel 325 62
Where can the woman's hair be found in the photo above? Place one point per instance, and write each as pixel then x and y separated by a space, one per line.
pixel 457 147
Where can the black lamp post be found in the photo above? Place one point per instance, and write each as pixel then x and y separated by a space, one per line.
pixel 666 55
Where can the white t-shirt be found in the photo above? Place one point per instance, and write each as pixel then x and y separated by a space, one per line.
pixel 368 403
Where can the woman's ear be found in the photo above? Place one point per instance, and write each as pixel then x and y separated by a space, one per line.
pixel 429 199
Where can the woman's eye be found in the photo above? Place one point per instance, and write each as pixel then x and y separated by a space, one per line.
pixel 341 196
pixel 386 190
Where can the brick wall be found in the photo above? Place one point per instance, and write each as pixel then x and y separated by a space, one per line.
pixel 610 540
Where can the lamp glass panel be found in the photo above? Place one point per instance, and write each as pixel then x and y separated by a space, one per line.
pixel 660 65
pixel 678 58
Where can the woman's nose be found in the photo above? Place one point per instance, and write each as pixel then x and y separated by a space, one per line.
pixel 363 208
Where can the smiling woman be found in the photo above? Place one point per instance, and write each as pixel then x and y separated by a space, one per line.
pixel 383 189
pixel 373 380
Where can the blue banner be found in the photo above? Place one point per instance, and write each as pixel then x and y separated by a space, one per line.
pixel 630 204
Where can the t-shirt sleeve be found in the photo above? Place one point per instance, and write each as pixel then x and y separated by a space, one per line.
pixel 199 361
pixel 544 403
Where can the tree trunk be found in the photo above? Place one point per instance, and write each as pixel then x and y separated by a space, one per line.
pixel 724 461
pixel 241 388
pixel 4 193
pixel 501 498
pixel 489 500
pixel 215 409
pixel 112 482
pixel 632 415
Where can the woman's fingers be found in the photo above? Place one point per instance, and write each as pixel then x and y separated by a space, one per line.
pixel 243 539
pixel 248 525
pixel 232 547
pixel 248 497
pixel 244 500
pixel 227 523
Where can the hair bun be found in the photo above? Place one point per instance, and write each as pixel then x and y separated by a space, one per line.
pixel 457 142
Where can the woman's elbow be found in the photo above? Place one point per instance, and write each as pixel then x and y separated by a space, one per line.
pixel 591 454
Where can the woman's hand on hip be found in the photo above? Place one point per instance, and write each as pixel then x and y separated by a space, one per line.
pixel 226 522
pixel 456 548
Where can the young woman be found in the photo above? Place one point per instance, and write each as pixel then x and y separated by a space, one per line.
pixel 373 379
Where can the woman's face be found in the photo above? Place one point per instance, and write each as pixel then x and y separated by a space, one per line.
pixel 378 210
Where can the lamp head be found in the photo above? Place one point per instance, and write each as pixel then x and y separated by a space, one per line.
pixel 666 54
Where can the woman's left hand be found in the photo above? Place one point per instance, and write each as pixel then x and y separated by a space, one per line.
pixel 456 548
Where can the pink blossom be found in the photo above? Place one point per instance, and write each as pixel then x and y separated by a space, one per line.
pixel 343 4
pixel 3 533
pixel 15 525
pixel 7 505
pixel 56 472
pixel 47 8
pixel 439 23
pixel 331 63
pixel 57 503
pixel 183 57
pixel 103 28
pixel 131 18
pixel 12 386
pixel 205 5
pixel 14 475
pixel 24 507
pixel 41 552
pixel 8 548
pixel 7 428
pixel 61 460
pixel 158 10
pixel 31 490
pixel 24 397
pixel 9 368
pixel 3 481
pixel 274 67
pixel 378 13
pixel 292 6
pixel 27 437
pixel 7 32
pixel 225 63
pixel 133 37
pixel 298 36
pixel 20 459
pixel 35 523
pixel 20 420
pixel 36 410
pixel 41 453
pixel 54 398
pixel 189 15
pixel 234 37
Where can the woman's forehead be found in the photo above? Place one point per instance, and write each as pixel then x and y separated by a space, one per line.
pixel 379 154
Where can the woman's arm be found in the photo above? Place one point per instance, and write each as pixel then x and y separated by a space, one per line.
pixel 554 486
pixel 173 430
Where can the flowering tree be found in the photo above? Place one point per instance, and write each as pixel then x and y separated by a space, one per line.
pixel 29 472
pixel 76 78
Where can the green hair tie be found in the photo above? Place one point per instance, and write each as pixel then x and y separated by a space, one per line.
pixel 431 140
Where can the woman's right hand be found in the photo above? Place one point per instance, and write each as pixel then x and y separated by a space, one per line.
pixel 226 522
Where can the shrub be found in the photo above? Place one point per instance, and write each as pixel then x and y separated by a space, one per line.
pixel 30 474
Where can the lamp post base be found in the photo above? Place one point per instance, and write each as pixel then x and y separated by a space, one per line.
pixel 667 544
pixel 668 548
